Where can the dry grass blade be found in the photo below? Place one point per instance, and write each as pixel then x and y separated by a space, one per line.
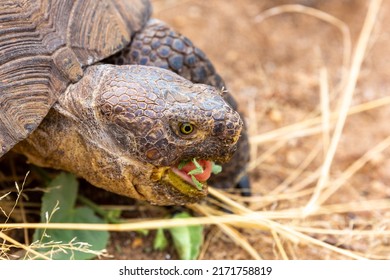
pixel 257 161
pixel 294 130
pixel 325 110
pixel 231 232
pixel 350 232
pixel 279 245
pixel 248 219
pixel 298 171
pixel 22 246
pixel 283 230
pixel 353 168
pixel 345 101
pixel 355 206
pixel 253 221
pixel 134 225
pixel 18 197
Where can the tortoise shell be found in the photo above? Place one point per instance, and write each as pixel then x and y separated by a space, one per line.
pixel 46 45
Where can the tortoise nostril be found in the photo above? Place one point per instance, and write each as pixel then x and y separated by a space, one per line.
pixel 219 129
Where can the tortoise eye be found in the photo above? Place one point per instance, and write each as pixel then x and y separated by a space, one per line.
pixel 186 128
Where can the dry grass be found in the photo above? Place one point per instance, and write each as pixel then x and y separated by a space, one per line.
pixel 297 219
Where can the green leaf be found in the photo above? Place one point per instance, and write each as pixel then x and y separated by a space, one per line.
pixel 182 164
pixel 198 184
pixel 187 240
pixel 58 206
pixel 197 170
pixel 160 241
pixel 216 168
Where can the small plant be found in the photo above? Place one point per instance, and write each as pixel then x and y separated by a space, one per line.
pixel 58 206
pixel 186 239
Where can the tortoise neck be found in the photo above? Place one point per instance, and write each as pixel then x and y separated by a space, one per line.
pixel 69 139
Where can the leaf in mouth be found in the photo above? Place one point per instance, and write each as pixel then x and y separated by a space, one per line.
pixel 216 168
pixel 198 170
pixel 182 164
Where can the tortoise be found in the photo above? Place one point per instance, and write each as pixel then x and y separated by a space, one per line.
pixel 99 89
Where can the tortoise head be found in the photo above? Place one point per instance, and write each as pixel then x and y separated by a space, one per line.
pixel 127 129
pixel 164 118
pixel 160 119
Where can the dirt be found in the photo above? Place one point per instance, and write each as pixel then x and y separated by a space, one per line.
pixel 272 66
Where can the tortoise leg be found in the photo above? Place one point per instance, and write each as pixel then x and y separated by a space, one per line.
pixel 159 45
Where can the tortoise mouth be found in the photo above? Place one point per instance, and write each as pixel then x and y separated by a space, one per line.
pixel 192 184
pixel 185 186
pixel 195 172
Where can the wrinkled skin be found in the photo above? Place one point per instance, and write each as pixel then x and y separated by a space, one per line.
pixel 119 127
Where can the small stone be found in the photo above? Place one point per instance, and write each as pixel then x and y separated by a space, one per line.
pixel 275 116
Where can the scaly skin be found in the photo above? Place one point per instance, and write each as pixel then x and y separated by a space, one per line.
pixel 161 46
pixel 119 128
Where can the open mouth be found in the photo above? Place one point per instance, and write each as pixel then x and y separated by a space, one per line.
pixel 195 172
pixel 190 177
